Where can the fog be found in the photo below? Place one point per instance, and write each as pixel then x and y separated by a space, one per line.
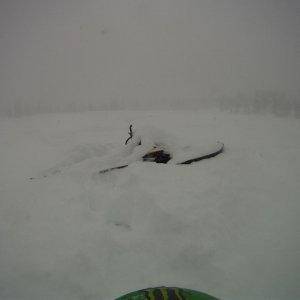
pixel 64 55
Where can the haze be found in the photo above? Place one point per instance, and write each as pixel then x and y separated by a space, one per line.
pixel 135 54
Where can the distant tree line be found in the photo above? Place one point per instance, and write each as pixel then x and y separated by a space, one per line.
pixel 262 101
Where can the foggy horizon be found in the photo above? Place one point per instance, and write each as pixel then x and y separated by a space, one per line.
pixel 73 55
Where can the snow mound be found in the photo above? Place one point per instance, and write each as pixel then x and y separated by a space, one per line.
pixel 148 137
pixel 101 157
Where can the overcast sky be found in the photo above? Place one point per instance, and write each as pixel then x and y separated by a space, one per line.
pixel 65 51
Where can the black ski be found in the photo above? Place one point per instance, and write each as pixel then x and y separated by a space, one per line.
pixel 210 155
pixel 113 168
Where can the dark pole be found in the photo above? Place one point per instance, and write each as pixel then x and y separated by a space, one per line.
pixel 130 134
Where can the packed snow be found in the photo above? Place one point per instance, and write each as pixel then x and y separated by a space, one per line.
pixel 227 226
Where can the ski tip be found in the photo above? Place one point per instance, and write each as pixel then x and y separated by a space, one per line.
pixel 221 146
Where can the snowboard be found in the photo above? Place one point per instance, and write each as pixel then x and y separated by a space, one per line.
pixel 166 293
pixel 189 159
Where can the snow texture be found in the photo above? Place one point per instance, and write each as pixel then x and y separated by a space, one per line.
pixel 227 226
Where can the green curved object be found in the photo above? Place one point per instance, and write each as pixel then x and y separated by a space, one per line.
pixel 166 293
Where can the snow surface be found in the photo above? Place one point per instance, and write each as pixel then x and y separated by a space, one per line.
pixel 227 226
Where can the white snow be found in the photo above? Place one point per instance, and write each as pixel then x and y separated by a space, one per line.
pixel 227 226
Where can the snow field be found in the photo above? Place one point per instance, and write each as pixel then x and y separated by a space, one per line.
pixel 227 226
